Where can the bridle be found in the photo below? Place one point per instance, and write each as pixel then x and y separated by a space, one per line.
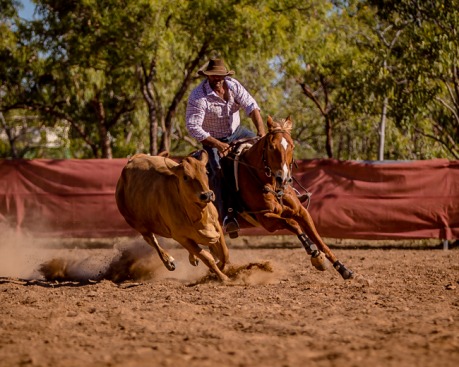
pixel 267 168
pixel 277 192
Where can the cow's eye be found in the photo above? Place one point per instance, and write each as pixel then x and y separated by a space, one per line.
pixel 185 178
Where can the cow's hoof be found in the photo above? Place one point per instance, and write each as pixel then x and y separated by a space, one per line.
pixel 319 261
pixel 193 260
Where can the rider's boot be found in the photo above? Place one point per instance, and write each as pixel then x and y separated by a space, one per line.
pixel 230 224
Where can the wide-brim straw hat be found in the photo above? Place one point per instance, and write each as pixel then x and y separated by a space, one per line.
pixel 216 67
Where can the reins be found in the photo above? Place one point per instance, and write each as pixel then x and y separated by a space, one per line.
pixel 278 194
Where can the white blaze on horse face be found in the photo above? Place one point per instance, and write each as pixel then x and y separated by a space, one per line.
pixel 284 143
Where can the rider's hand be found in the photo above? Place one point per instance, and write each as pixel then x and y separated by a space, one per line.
pixel 223 149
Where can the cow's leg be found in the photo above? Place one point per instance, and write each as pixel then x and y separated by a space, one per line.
pixel 193 259
pixel 219 250
pixel 205 256
pixel 168 260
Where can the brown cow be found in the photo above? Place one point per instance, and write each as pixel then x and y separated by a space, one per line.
pixel 159 196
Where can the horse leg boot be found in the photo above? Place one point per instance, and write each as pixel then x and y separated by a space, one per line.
pixel 317 257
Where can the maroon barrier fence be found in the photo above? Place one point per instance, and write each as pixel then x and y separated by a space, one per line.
pixel 354 200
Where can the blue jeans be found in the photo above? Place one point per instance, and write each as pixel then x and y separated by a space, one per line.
pixel 214 168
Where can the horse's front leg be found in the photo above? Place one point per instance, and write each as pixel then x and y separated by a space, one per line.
pixel 272 220
pixel 298 220
pixel 312 238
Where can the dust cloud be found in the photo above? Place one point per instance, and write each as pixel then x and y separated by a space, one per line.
pixel 28 258
pixel 19 254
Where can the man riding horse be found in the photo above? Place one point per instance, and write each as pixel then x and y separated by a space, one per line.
pixel 212 118
pixel 264 179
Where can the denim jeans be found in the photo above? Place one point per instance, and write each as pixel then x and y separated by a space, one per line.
pixel 214 168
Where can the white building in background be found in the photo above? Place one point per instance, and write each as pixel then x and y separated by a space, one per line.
pixel 32 138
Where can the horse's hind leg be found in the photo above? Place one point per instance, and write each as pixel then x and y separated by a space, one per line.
pixel 168 260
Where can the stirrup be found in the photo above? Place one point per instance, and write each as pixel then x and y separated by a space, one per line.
pixel 231 226
pixel 303 197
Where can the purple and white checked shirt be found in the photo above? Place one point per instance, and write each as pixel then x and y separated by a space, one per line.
pixel 209 115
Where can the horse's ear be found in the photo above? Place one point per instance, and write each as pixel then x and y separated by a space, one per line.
pixel 288 124
pixel 270 123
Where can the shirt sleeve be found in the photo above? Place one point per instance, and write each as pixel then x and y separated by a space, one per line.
pixel 195 112
pixel 243 97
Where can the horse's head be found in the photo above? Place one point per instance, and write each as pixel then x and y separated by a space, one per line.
pixel 278 152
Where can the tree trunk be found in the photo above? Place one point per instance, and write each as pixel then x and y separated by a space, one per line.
pixel 104 140
pixel 325 110
pixel 382 130
pixel 153 130
pixel 146 86
pixel 11 139
pixel 328 136
pixel 172 110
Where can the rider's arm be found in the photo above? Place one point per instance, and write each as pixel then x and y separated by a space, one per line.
pixel 246 101
pixel 258 122
pixel 215 143
pixel 194 118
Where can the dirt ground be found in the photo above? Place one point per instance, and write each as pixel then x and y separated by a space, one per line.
pixel 118 306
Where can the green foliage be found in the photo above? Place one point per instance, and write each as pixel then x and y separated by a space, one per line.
pixel 84 66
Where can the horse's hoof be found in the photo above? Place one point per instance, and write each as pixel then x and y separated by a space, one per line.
pixel 345 272
pixel 319 262
pixel 170 265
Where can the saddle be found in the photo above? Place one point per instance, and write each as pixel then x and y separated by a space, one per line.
pixel 232 204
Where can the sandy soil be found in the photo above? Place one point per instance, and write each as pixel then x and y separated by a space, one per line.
pixel 277 311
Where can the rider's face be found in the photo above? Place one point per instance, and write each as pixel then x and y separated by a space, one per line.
pixel 216 81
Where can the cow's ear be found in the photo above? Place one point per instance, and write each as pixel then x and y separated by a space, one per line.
pixel 204 157
pixel 175 170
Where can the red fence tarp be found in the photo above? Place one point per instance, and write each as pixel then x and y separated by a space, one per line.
pixel 355 200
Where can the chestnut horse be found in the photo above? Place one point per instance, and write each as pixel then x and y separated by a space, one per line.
pixel 263 182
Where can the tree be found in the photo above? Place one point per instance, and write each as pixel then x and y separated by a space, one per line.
pixel 190 33
pixel 319 59
pixel 20 62
pixel 427 95
pixel 87 78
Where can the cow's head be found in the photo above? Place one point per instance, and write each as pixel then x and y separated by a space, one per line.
pixel 192 179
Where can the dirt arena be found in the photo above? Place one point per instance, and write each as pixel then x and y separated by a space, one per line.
pixel 117 305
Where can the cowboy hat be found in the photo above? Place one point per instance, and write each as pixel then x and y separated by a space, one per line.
pixel 216 67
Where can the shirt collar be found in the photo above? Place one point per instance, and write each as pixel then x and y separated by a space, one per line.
pixel 208 90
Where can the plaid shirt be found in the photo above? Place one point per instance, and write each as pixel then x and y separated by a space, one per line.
pixel 209 115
